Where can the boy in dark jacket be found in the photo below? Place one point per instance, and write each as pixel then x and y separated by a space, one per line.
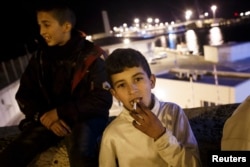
pixel 63 94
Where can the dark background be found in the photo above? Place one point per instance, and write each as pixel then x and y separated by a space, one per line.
pixel 19 27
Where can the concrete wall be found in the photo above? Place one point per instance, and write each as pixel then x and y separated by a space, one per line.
pixel 9 110
pixel 227 52
pixel 193 94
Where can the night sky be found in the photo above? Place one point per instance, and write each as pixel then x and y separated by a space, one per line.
pixel 20 28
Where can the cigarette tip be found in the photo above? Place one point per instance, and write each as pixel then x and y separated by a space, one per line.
pixel 134 107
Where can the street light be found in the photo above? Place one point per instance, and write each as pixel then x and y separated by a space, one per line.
pixel 188 14
pixel 137 22
pixel 157 20
pixel 213 8
pixel 149 20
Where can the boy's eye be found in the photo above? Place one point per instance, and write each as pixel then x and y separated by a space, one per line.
pixel 46 25
pixel 137 79
pixel 121 85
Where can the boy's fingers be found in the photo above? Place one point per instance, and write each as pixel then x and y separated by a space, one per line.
pixel 59 129
pixel 65 126
pixel 143 108
pixel 136 116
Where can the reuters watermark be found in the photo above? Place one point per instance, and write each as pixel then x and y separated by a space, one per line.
pixel 229 158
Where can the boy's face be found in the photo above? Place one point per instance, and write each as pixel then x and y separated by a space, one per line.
pixel 132 84
pixel 51 30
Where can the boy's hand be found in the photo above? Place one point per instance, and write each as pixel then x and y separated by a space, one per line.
pixel 48 118
pixel 147 122
pixel 51 121
pixel 60 128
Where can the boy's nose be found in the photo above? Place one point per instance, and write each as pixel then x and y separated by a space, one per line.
pixel 132 88
pixel 42 31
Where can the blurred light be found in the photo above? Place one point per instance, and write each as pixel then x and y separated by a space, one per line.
pixel 115 29
pixel 215 36
pixel 170 28
pixel 192 41
pixel 136 20
pixel 236 14
pixel 188 14
pixel 213 8
pixel 172 41
pixel 118 35
pixel 157 20
pixel 206 14
pixel 126 41
pixel 149 20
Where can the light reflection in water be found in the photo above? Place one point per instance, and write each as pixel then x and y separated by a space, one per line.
pixel 172 40
pixel 215 36
pixel 163 41
pixel 191 41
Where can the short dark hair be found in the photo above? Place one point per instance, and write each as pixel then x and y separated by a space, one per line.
pixel 60 8
pixel 122 58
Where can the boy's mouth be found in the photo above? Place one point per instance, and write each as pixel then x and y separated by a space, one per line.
pixel 47 38
pixel 134 102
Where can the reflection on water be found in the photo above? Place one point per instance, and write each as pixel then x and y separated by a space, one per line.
pixel 193 41
pixel 172 41
pixel 163 41
pixel 215 36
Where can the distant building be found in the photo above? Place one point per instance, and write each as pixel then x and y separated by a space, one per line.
pixel 230 52
pixel 203 92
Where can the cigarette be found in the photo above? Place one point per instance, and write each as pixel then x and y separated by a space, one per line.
pixel 134 107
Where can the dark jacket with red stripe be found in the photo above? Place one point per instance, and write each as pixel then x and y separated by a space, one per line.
pixel 59 77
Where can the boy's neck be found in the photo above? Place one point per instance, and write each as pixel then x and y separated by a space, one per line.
pixel 152 102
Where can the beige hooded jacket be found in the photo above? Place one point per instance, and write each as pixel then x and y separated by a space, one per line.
pixel 236 130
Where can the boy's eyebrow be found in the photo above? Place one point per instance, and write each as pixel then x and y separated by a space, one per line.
pixel 43 22
pixel 139 73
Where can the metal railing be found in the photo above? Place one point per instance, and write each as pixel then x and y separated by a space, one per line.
pixel 11 70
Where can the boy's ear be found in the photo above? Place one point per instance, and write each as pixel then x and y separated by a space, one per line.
pixel 112 91
pixel 67 27
pixel 153 80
